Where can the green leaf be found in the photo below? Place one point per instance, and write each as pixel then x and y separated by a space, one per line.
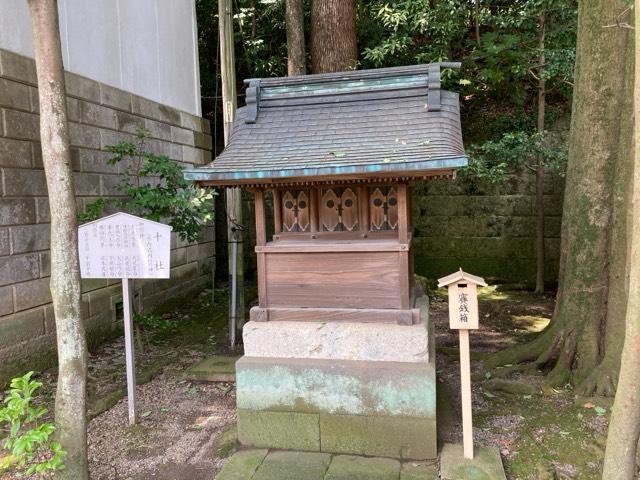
pixel 600 410
pixel 488 394
pixel 146 414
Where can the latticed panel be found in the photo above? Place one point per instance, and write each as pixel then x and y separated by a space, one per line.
pixel 339 210
pixel 295 211
pixel 383 208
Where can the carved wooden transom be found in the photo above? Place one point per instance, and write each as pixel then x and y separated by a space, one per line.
pixel 339 210
pixel 295 211
pixel 383 208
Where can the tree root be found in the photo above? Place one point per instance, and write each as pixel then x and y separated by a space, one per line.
pixel 601 382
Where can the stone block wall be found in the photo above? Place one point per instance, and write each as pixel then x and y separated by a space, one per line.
pixel 99 116
pixel 487 230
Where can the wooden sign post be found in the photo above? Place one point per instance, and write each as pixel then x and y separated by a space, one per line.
pixel 463 316
pixel 125 246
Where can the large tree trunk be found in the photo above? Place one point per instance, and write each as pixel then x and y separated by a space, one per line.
pixel 624 429
pixel 542 93
pixel 296 61
pixel 70 405
pixel 334 45
pixel 582 344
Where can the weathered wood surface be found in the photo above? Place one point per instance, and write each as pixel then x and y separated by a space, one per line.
pixel 345 279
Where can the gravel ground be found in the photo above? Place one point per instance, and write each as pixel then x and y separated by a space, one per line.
pixel 176 437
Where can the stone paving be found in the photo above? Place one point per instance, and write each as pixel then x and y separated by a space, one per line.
pixel 289 465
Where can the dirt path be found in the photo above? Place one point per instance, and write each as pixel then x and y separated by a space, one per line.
pixel 176 438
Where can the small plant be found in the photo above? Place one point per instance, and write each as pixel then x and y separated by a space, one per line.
pixel 28 441
pixel 155 189
pixel 155 322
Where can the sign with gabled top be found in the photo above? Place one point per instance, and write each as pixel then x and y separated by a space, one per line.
pixel 463 299
pixel 124 246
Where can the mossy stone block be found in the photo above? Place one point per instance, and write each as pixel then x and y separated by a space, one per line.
pixel 346 467
pixel 419 471
pixel 411 438
pixel 282 430
pixel 242 465
pixel 293 466
pixel 213 369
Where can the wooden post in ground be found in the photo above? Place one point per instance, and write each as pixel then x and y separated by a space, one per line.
pixel 130 356
pixel 465 387
pixel 463 316
pixel 233 195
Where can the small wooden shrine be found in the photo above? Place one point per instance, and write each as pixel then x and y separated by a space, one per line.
pixel 337 155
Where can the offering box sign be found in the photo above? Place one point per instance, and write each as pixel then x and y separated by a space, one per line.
pixel 124 246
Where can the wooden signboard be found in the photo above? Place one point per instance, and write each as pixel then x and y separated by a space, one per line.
pixel 125 246
pixel 463 316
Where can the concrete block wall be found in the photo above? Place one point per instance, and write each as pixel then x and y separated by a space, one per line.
pixel 488 230
pixel 99 116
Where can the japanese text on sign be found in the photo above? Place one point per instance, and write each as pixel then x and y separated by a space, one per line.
pixel 124 246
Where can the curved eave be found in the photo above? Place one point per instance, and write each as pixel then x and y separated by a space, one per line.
pixel 213 177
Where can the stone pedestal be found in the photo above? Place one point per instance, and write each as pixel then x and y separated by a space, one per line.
pixel 351 388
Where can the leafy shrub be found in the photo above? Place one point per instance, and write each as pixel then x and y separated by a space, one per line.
pixel 27 440
pixel 155 189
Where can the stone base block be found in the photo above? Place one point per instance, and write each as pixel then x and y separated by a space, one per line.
pixel 283 430
pixel 411 438
pixel 336 387
pixel 374 342
pixel 382 409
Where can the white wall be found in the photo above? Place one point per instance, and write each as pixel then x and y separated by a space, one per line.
pixel 148 47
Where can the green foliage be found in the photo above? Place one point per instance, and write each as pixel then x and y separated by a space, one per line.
pixel 500 65
pixel 27 439
pixel 155 322
pixel 495 160
pixel 154 188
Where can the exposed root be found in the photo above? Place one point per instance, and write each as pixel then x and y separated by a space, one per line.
pixel 601 382
pixel 528 352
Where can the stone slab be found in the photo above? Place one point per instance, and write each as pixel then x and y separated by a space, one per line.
pixel 486 464
pixel 282 430
pixel 345 467
pixel 336 387
pixel 395 437
pixel 286 465
pixel 213 369
pixel 242 465
pixel 419 471
pixel 375 342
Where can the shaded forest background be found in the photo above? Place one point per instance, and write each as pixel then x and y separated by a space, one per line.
pixel 485 221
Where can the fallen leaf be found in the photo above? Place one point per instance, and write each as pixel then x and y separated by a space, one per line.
pixel 588 405
pixel 146 414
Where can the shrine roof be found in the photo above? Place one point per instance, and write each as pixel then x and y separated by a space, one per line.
pixel 366 124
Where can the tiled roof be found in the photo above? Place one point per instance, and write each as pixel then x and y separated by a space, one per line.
pixel 394 122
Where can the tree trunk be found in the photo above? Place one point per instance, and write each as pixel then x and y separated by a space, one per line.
pixel 334 45
pixel 582 344
pixel 295 37
pixel 624 428
pixel 70 404
pixel 542 92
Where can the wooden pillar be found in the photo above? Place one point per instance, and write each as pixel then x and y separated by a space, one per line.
pixel 261 241
pixel 403 213
pixel 277 211
pixel 261 231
